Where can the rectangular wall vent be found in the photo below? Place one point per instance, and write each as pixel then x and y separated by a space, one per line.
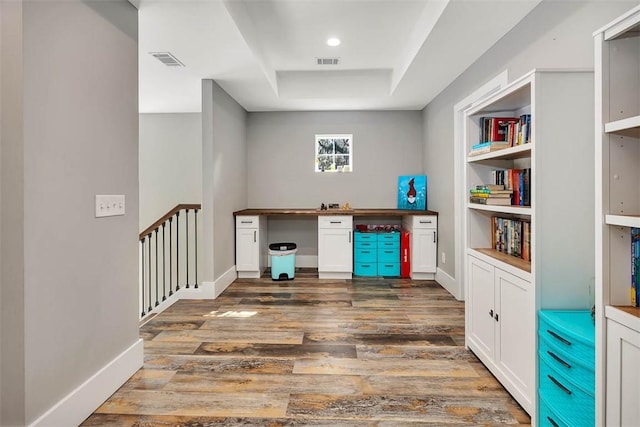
pixel 327 61
pixel 167 59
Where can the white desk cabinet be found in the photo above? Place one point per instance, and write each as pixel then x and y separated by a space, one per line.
pixel 423 245
pixel 335 247
pixel 251 246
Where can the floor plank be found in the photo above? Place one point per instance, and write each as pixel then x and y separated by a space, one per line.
pixel 363 352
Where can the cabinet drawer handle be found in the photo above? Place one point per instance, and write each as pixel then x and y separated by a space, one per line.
pixel 246 222
pixel 425 222
pixel 366 252
pixel 335 222
pixel 366 265
pixel 254 236
pixel 434 237
pixel 349 237
pixel 553 423
pixel 558 337
pixel 558 359
pixel 559 384
pixel 388 252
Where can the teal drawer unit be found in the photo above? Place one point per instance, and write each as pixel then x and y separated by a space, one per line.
pixel 566 366
pixel 376 253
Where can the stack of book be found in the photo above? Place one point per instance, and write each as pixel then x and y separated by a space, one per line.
pixel 490 194
pixel 635 267
pixel 488 147
pixel 518 180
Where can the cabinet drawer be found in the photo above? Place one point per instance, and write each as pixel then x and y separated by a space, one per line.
pixel 388 269
pixel 247 221
pixel 366 245
pixel 389 245
pixel 577 371
pixel 366 269
pixel 389 237
pixel 548 418
pixel 365 237
pixel 388 255
pixel 425 222
pixel 565 397
pixel 337 221
pixel 365 255
pixel 570 333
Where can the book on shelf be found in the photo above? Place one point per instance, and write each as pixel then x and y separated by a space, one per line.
pixel 499 201
pixel 516 180
pixel 511 236
pixel 635 267
pixel 512 130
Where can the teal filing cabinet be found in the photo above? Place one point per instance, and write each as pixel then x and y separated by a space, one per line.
pixel 376 254
pixel 566 366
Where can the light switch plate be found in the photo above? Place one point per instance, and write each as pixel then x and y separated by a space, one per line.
pixel 109 205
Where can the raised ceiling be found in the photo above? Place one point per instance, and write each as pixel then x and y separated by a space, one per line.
pixel 395 54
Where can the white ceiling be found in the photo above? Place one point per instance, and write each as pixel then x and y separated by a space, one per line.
pixel 395 54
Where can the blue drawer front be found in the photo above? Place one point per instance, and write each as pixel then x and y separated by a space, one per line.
pixel 576 370
pixel 365 255
pixel 389 269
pixel 388 255
pixel 365 237
pixel 366 269
pixel 388 244
pixel 572 332
pixel 388 237
pixel 548 418
pixel 366 245
pixel 566 398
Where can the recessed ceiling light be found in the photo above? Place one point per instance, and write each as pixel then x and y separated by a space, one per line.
pixel 333 41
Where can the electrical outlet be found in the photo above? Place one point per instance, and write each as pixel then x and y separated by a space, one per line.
pixel 443 258
pixel 109 205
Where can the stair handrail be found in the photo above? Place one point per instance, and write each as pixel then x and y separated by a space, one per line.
pixel 166 217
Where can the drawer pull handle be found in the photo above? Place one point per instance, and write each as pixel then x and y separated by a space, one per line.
pixel 558 359
pixel 254 236
pixel 388 252
pixel 335 222
pixel 553 423
pixel 434 237
pixel 425 222
pixel 558 337
pixel 366 265
pixel 246 222
pixel 559 384
pixel 366 252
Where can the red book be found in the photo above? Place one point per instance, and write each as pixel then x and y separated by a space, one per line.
pixel 500 127
pixel 405 255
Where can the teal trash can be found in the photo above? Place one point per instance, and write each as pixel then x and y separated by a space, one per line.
pixel 283 260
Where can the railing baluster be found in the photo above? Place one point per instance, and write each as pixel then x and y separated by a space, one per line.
pixel 142 264
pixel 170 253
pixel 150 308
pixel 177 251
pixel 157 303
pixel 187 242
pixel 164 267
pixel 195 216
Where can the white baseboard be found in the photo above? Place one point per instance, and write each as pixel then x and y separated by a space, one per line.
pixel 84 400
pixel 422 276
pixel 224 281
pixel 449 283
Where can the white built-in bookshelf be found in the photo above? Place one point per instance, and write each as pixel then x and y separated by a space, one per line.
pixel 617 183
pixel 504 292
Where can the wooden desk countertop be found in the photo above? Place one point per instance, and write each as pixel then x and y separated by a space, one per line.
pixel 318 212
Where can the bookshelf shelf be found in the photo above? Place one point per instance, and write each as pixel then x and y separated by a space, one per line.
pixel 515 210
pixel 617 165
pixel 517 152
pixel 622 125
pixel 623 220
pixel 559 232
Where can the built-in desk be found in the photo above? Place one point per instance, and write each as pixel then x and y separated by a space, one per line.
pixel 335 239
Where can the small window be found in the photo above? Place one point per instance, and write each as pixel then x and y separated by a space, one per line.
pixel 334 153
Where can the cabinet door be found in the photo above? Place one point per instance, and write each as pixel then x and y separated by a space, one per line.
pixel 247 249
pixel 515 337
pixel 481 322
pixel 335 250
pixel 423 251
pixel 623 375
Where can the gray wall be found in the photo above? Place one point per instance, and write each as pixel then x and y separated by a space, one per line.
pixel 281 150
pixel 224 169
pixel 80 129
pixel 170 163
pixel 556 34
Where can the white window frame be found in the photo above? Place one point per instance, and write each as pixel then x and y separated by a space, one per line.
pixel 345 168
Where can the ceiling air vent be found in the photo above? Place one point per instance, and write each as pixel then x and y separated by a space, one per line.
pixel 327 61
pixel 167 59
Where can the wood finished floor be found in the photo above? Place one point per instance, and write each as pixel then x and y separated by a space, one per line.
pixel 362 352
